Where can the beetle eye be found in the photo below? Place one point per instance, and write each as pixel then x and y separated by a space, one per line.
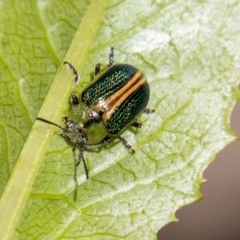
pixel 71 125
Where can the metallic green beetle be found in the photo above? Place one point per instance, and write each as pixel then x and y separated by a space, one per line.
pixel 105 108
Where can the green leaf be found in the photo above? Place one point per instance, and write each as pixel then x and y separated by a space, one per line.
pixel 189 52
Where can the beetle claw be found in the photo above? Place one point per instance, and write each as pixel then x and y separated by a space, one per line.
pixel 127 145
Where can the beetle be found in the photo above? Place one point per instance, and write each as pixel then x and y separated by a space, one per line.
pixel 112 102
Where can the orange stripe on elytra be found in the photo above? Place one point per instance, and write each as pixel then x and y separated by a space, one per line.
pixel 116 99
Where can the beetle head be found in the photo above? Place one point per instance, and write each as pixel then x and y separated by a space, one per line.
pixel 74 133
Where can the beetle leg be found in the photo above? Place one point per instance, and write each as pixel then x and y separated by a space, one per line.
pixel 139 125
pixel 148 110
pixel 76 79
pixel 75 99
pixel 110 63
pixel 111 57
pixel 127 145
pixel 65 119
pixel 108 140
pixel 81 158
pixel 97 69
pixel 136 125
pixel 103 142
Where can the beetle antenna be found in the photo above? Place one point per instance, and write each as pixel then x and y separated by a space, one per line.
pixel 49 122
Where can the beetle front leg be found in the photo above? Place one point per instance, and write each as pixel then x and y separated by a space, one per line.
pixel 76 79
pixel 76 75
pixel 81 158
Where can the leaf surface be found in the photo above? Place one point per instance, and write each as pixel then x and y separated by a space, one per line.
pixel 189 52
